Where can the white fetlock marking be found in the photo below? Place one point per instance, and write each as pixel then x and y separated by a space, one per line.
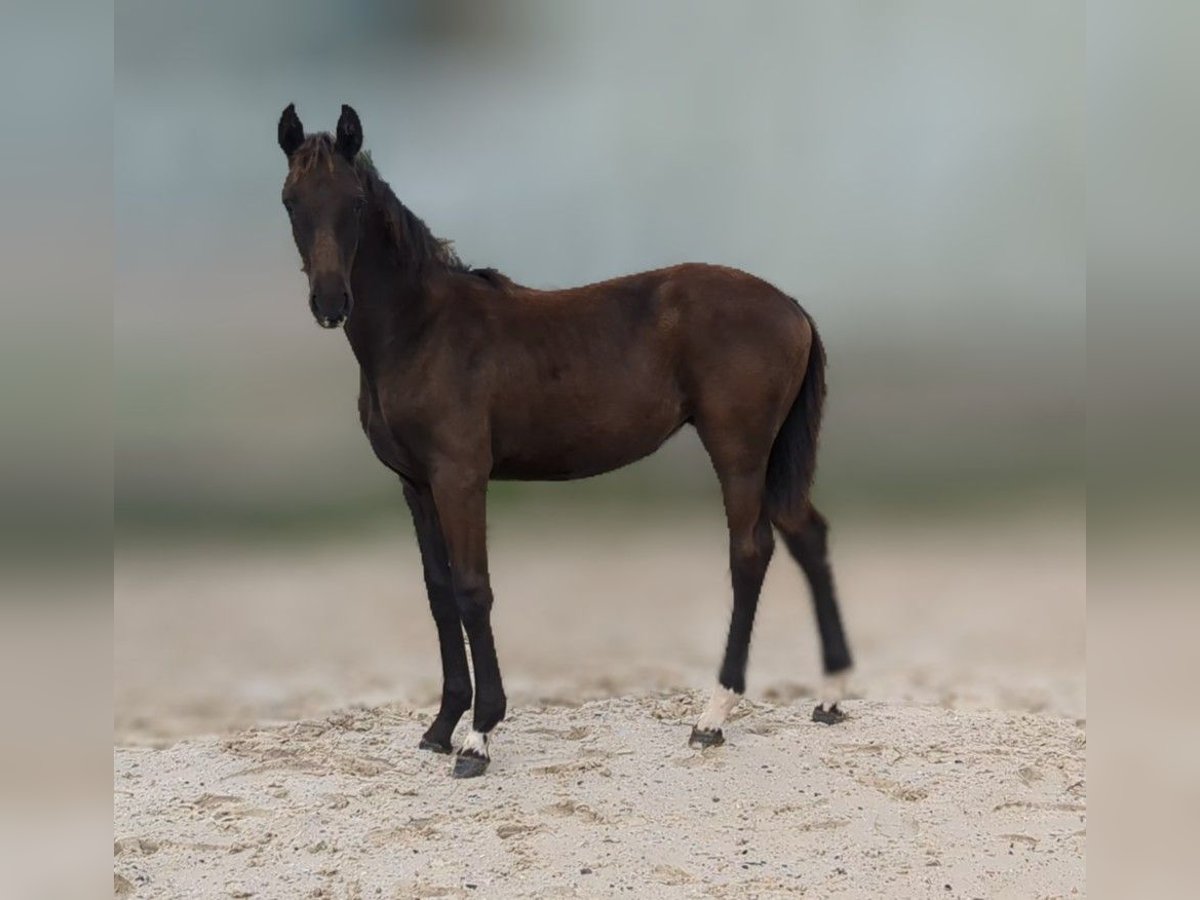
pixel 476 742
pixel 719 707
pixel 834 689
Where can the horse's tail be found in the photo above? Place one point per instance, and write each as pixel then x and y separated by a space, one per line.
pixel 793 459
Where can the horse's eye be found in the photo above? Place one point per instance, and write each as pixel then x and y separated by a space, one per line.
pixel 359 203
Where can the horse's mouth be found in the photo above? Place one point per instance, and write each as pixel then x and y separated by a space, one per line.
pixel 331 321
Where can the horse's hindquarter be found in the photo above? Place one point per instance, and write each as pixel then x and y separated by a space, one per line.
pixel 744 348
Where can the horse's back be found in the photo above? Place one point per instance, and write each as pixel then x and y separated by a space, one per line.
pixel 697 304
pixel 599 376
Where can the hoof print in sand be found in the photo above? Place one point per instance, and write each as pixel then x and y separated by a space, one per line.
pixel 830 716
pixel 703 739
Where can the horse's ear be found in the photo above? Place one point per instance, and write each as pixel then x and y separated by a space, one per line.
pixel 349 133
pixel 291 131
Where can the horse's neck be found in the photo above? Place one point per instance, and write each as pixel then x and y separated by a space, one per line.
pixel 389 305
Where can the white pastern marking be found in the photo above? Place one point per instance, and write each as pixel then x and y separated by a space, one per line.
pixel 719 707
pixel 835 689
pixel 476 742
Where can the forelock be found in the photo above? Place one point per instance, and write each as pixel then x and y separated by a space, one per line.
pixel 316 150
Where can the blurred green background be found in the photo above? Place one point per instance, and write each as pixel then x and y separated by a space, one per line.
pixel 912 172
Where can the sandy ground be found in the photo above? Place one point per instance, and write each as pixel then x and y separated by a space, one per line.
pixel 268 705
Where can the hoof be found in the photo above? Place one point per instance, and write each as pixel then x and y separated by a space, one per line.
pixel 704 739
pixel 830 716
pixel 470 765
pixel 428 743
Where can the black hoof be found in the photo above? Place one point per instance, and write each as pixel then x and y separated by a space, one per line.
pixel 704 739
pixel 428 743
pixel 830 716
pixel 470 765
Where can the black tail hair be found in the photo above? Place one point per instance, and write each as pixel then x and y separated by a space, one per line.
pixel 793 460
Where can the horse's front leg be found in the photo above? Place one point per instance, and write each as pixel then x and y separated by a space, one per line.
pixel 461 499
pixel 456 677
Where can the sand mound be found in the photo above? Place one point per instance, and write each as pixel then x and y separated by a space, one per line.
pixel 606 798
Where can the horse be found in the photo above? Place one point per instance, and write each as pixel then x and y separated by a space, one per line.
pixel 467 377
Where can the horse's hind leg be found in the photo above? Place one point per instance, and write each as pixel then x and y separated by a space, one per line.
pixel 751 543
pixel 808 542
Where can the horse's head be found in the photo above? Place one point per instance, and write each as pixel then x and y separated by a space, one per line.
pixel 324 200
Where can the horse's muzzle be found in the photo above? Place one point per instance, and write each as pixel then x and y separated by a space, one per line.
pixel 330 304
pixel 331 321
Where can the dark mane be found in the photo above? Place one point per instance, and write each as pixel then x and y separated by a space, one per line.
pixel 416 245
pixel 494 278
pixel 417 248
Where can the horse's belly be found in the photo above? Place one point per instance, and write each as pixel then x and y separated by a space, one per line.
pixel 555 444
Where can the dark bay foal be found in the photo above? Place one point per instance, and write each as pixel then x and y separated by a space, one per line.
pixel 467 377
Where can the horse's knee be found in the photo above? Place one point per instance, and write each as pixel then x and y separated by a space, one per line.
pixel 438 581
pixel 444 607
pixel 473 597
